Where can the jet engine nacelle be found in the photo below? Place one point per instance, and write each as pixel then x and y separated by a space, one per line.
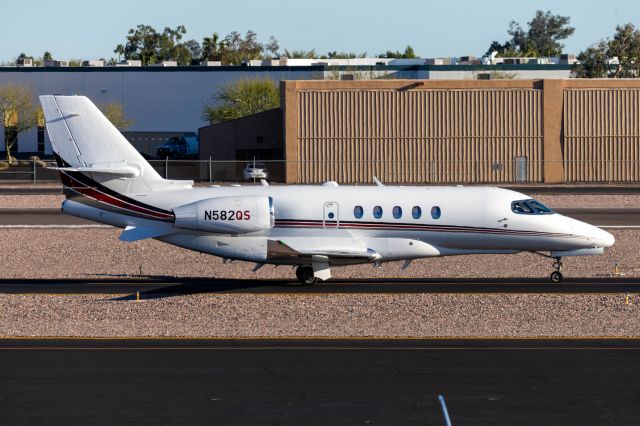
pixel 227 215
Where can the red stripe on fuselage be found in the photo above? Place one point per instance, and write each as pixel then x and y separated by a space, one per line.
pixel 110 200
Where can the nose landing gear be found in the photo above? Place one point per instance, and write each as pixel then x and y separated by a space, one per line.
pixel 556 276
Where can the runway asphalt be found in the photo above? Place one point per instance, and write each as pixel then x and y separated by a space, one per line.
pixel 168 286
pixel 312 382
pixel 55 217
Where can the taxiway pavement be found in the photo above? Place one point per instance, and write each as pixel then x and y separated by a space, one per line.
pixel 167 286
pixel 292 382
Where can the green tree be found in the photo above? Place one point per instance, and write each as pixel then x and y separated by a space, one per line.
pixel 618 57
pixel 345 55
pixel 17 114
pixel 242 98
pixel 300 54
pixel 144 43
pixel 272 48
pixel 212 48
pixel 115 113
pixel 47 56
pixel 542 38
pixel 237 49
pixel 408 53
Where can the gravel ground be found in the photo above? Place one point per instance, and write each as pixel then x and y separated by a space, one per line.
pixel 30 201
pixel 559 201
pixel 415 315
pixel 553 200
pixel 90 253
pixel 64 253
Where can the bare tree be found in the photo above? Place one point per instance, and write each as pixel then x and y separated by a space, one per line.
pixel 115 113
pixel 17 114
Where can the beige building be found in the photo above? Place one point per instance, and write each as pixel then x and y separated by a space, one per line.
pixel 464 131
pixel 449 131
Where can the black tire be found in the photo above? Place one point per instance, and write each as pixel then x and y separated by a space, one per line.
pixel 556 277
pixel 305 275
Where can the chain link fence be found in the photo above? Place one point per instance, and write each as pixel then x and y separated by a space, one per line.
pixel 412 172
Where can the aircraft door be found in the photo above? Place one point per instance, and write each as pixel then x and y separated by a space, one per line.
pixel 331 217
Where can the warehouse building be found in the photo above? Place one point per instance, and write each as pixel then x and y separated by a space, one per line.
pixel 166 100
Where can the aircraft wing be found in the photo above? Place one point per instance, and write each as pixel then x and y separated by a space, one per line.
pixel 137 233
pixel 277 249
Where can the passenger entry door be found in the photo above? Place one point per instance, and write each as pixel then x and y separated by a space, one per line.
pixel 331 217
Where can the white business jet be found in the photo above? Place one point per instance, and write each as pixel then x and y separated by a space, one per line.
pixel 312 227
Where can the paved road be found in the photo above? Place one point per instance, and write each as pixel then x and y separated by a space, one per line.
pixel 167 286
pixel 45 216
pixel 294 382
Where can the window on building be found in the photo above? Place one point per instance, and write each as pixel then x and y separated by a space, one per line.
pixel 358 212
pixel 397 212
pixel 435 212
pixel 377 212
pixel 416 212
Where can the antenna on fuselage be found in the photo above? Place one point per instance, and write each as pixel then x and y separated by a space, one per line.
pixel 377 181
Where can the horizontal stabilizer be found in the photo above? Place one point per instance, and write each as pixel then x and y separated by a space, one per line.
pixel 123 171
pixel 137 233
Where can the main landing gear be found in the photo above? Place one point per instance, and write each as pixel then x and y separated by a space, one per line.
pixel 556 276
pixel 305 275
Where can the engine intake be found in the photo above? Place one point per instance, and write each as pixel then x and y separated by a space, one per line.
pixel 227 215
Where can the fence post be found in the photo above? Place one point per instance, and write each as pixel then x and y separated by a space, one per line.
pixel 210 169
pixel 166 167
pixel 34 171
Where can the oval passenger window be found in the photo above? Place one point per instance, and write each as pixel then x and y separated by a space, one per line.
pixel 397 212
pixel 358 212
pixel 377 212
pixel 416 212
pixel 435 212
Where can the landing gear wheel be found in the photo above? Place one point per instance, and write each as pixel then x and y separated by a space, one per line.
pixel 556 276
pixel 305 275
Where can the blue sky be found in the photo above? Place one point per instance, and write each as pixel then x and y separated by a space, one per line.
pixel 92 29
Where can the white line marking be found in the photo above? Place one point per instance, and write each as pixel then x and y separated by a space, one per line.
pixel 53 226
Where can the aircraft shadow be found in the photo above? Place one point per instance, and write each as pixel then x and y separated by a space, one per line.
pixel 161 286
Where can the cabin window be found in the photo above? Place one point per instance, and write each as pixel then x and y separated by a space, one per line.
pixel 416 212
pixel 377 212
pixel 435 212
pixel 530 207
pixel 397 212
pixel 358 212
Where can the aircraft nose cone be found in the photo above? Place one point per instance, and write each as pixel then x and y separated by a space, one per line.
pixel 602 238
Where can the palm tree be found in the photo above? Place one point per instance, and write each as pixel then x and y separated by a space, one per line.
pixel 212 47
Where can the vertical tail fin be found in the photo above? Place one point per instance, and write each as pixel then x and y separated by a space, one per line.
pixel 85 141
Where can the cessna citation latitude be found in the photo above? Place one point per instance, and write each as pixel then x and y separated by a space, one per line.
pixel 312 227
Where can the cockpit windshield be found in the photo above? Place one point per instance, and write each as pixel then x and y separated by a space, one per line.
pixel 530 207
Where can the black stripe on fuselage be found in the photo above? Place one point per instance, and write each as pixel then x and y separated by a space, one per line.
pixel 90 183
